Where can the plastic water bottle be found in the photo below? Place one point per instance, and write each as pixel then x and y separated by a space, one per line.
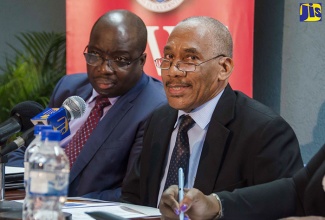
pixel 32 147
pixel 48 179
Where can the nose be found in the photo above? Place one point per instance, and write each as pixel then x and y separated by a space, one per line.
pixel 105 67
pixel 175 71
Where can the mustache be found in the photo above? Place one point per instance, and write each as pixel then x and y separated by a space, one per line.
pixel 177 83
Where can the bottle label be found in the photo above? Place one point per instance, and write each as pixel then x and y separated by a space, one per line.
pixel 48 183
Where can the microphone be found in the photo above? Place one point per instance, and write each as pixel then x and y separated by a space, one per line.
pixel 24 140
pixel 20 119
pixel 72 108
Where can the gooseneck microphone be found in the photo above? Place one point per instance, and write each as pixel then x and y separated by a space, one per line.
pixel 24 140
pixel 75 107
pixel 20 119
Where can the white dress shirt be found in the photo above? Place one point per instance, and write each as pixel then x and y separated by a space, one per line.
pixel 202 116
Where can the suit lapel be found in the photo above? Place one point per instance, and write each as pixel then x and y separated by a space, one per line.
pixel 157 155
pixel 215 144
pixel 106 126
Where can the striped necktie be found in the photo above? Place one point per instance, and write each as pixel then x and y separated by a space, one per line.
pixel 79 139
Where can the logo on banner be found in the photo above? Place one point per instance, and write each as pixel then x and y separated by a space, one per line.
pixel 160 5
pixel 310 12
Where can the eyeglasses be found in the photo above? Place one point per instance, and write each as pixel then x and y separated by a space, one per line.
pixel 96 60
pixel 165 64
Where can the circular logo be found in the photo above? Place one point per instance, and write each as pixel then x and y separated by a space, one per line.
pixel 160 5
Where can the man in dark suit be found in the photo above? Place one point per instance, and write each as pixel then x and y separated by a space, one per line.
pixel 234 142
pixel 115 58
pixel 301 195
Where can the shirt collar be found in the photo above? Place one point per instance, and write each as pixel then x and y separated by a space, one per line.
pixel 95 94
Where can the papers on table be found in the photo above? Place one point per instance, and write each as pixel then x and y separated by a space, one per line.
pixel 14 170
pixel 79 206
pixel 14 177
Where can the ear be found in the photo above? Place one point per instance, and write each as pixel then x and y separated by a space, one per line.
pixel 227 65
pixel 143 59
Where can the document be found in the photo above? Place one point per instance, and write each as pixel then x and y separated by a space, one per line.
pixel 14 177
pixel 14 170
pixel 79 206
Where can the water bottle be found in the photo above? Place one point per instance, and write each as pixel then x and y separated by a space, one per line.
pixel 48 179
pixel 32 147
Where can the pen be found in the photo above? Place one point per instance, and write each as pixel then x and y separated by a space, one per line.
pixel 181 189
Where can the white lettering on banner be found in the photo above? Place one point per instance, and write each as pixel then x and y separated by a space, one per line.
pixel 160 5
pixel 168 28
pixel 152 41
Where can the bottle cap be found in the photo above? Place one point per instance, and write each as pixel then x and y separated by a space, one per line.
pixel 39 127
pixel 51 135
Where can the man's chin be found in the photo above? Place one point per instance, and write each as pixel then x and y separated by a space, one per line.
pixel 178 103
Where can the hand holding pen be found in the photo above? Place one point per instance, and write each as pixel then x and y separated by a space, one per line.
pixel 195 204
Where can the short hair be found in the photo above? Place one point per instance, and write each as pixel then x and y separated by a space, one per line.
pixel 222 42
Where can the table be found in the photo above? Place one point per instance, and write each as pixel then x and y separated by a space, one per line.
pixel 15 213
pixel 10 209
pixel 14 194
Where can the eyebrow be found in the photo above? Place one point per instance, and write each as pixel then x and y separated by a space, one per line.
pixel 110 53
pixel 90 48
pixel 166 48
pixel 191 50
pixel 187 50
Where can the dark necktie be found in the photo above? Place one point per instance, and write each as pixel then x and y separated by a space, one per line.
pixel 181 153
pixel 79 139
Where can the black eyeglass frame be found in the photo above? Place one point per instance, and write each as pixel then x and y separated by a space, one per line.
pixel 125 64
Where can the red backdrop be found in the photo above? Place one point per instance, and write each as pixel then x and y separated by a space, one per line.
pixel 237 15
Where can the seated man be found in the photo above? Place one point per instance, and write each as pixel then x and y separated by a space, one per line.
pixel 301 195
pixel 115 58
pixel 222 139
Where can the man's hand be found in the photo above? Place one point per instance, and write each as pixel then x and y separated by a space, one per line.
pixel 168 204
pixel 195 204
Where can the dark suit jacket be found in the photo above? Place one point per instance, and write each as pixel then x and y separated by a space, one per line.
pixel 298 196
pixel 246 144
pixel 111 150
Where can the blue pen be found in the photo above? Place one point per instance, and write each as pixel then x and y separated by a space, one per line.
pixel 181 190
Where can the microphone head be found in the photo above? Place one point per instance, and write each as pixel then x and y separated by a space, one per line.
pixel 24 111
pixel 75 107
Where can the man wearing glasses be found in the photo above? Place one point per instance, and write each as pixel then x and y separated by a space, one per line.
pixel 115 58
pixel 221 138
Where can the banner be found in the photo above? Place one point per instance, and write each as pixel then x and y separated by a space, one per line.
pixel 160 16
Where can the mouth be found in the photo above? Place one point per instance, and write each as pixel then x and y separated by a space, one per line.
pixel 105 83
pixel 177 89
